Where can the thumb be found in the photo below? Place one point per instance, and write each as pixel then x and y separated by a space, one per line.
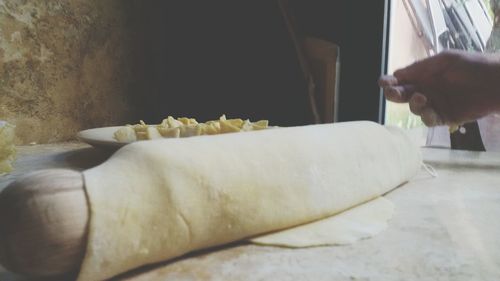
pixel 411 73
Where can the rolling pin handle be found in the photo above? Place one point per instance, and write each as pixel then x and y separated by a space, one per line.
pixel 43 223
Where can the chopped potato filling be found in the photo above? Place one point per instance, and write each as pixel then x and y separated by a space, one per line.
pixel 186 127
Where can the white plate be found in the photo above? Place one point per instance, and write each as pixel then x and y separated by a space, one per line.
pixel 101 137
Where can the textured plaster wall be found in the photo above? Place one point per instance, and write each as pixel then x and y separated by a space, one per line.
pixel 64 66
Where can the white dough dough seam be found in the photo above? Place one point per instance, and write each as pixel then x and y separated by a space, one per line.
pixel 187 225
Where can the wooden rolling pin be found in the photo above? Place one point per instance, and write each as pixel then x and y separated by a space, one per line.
pixel 43 223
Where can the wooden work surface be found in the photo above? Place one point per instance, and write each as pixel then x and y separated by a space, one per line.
pixel 444 228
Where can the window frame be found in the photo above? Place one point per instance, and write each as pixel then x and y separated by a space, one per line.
pixel 363 59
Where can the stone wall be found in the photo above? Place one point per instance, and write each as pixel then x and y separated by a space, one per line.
pixel 64 66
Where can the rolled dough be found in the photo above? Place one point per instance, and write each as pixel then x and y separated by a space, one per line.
pixel 156 200
pixel 352 225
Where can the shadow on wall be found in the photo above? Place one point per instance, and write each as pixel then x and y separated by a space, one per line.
pixel 206 58
pixel 70 65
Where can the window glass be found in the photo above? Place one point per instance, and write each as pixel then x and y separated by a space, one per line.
pixel 420 28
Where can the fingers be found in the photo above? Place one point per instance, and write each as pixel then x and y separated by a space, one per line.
pixel 387 81
pixel 407 93
pixel 417 103
pixel 418 106
pixel 430 117
pixel 399 94
pixel 394 91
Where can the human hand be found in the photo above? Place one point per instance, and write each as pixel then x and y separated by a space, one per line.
pixel 453 87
